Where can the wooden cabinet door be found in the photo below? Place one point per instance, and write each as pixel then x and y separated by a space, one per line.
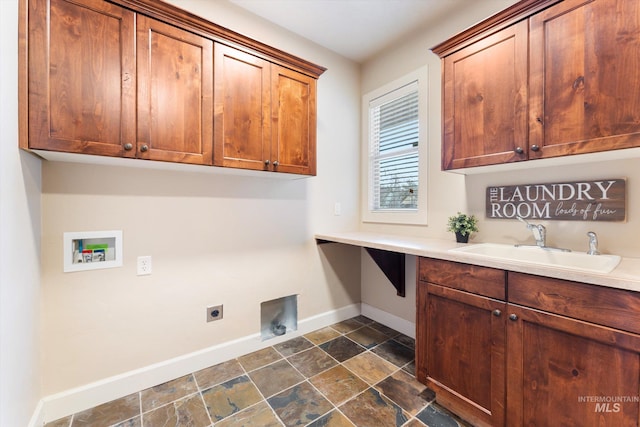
pixel 485 101
pixel 242 123
pixel 565 372
pixel 293 108
pixel 460 351
pixel 585 77
pixel 175 94
pixel 82 77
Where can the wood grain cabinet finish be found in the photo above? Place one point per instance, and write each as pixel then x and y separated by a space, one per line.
pixel 584 77
pixel 265 114
pixel 242 109
pixel 557 353
pixel 106 81
pixel 138 78
pixel 579 60
pixel 82 77
pixel 293 114
pixel 485 101
pixel 562 371
pixel 460 341
pixel 175 94
pixel 614 308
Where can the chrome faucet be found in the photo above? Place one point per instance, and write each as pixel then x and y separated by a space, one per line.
pixel 539 232
pixel 593 243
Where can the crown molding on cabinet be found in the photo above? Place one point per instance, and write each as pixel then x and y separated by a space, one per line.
pixel 176 16
pixel 508 16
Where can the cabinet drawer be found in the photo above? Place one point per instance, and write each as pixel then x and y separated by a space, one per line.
pixel 484 281
pixel 616 308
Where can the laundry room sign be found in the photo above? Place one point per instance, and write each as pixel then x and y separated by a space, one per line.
pixel 601 200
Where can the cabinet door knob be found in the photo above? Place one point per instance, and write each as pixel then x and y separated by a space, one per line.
pixel 513 316
pixel 519 150
pixel 128 146
pixel 275 164
pixel 144 148
pixel 497 313
pixel 535 148
pixel 267 162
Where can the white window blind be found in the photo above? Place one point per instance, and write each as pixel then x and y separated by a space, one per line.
pixel 394 156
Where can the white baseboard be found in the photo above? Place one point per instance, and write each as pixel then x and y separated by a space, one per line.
pixel 37 419
pixel 399 324
pixel 78 399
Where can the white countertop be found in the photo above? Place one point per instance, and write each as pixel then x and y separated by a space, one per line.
pixel 625 276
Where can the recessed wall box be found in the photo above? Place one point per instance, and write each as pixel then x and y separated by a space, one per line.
pixel 92 250
pixel 278 316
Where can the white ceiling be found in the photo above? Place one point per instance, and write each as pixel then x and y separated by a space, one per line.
pixel 356 29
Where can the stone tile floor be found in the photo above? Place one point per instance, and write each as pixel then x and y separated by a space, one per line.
pixel 353 373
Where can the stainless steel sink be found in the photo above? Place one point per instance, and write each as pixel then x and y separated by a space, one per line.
pixel 534 255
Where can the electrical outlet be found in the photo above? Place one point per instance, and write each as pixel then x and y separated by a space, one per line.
pixel 214 312
pixel 337 209
pixel 144 265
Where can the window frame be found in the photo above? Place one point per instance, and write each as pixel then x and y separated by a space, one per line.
pixel 396 216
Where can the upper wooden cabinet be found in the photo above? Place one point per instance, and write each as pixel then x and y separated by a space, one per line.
pixel 82 77
pixel 578 59
pixel 485 101
pixel 264 114
pixel 138 78
pixel 293 113
pixel 242 109
pixel 175 94
pixel 584 77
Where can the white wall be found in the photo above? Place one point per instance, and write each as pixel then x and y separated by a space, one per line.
pixel 214 239
pixel 449 192
pixel 20 174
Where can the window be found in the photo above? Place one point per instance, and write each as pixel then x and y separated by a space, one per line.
pixel 395 147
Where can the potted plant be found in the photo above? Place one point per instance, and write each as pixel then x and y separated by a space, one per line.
pixel 463 225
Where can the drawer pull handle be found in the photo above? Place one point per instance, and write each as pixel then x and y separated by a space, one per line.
pixel 497 313
pixel 513 317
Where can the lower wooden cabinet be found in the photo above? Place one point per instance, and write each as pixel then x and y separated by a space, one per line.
pixel 461 352
pixel 552 352
pixel 562 372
